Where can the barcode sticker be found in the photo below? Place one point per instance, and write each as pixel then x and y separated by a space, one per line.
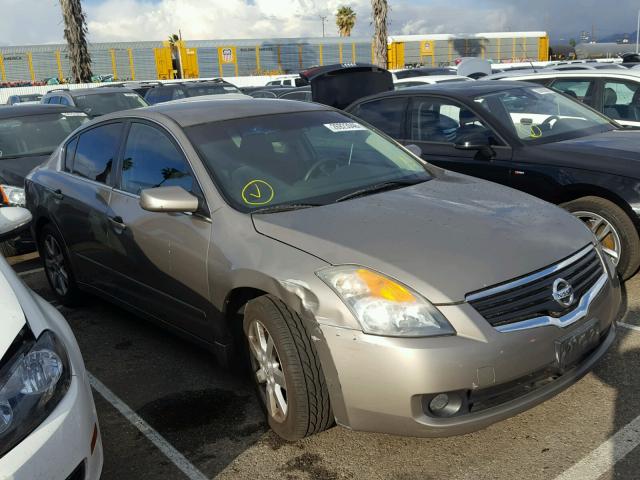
pixel 344 127
pixel 73 114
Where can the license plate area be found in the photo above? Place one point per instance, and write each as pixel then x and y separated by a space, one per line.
pixel 573 347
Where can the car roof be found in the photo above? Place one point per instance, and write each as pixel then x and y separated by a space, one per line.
pixel 545 73
pixel 187 114
pixel 91 91
pixel 12 111
pixel 455 89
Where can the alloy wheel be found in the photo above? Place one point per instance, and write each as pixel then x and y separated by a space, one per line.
pixel 605 233
pixel 268 370
pixel 55 266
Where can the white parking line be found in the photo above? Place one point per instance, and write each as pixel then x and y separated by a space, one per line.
pixel 603 458
pixel 29 272
pixel 630 327
pixel 154 437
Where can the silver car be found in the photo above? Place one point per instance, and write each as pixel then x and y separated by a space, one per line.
pixel 366 286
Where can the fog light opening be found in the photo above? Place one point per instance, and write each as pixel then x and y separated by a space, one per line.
pixel 445 404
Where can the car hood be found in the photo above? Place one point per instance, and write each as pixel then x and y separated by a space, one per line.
pixel 13 319
pixel 445 238
pixel 608 151
pixel 14 170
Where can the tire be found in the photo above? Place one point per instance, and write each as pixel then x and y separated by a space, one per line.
pixel 8 250
pixel 56 264
pixel 308 410
pixel 623 231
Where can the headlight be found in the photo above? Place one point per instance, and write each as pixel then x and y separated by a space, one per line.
pixel 383 306
pixel 31 385
pixel 13 196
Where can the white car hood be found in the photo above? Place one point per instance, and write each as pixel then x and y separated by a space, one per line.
pixel 13 319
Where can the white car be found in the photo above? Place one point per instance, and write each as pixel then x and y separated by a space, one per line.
pixel 428 80
pixel 48 423
pixel 614 92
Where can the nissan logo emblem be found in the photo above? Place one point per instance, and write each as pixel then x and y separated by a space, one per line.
pixel 563 292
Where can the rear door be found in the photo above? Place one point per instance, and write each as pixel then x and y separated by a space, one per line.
pixel 81 197
pixel 160 258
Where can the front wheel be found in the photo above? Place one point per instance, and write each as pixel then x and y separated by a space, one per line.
pixel 614 230
pixel 286 369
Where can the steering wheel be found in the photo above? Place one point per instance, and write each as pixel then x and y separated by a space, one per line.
pixel 546 125
pixel 322 166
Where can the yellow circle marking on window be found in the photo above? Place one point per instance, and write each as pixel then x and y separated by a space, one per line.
pixel 257 192
pixel 536 131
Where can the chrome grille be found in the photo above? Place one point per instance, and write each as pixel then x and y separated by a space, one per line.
pixel 532 296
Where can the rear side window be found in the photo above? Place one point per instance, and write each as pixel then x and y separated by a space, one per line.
pixel 64 101
pixel 159 95
pixel 580 89
pixel 96 152
pixel 69 154
pixel 387 114
pixel 152 160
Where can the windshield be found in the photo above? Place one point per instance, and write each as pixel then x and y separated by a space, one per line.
pixel 216 89
pixel 36 134
pixel 102 103
pixel 299 158
pixel 540 115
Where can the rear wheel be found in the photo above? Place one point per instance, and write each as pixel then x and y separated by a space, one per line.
pixel 614 230
pixel 286 370
pixel 57 266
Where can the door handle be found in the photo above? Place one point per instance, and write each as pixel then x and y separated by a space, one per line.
pixel 118 223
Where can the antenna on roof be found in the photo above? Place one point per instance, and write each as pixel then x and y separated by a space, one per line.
pixel 533 66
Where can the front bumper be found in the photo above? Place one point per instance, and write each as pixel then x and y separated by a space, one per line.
pixel 62 443
pixel 381 382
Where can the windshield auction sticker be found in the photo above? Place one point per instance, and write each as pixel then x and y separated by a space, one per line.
pixel 344 127
pixel 257 192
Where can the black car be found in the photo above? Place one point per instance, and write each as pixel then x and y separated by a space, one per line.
pixel 530 138
pixel 28 136
pixel 175 91
pixel 95 101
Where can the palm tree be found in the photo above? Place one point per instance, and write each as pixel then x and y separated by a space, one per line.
pixel 345 20
pixel 75 33
pixel 175 57
pixel 380 9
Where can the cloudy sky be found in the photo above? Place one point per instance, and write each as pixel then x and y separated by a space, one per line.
pixel 39 21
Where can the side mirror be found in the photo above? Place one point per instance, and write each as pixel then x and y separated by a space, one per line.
pixel 13 220
pixel 484 150
pixel 415 149
pixel 168 199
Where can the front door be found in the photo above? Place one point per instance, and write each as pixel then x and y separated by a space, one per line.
pixel 441 128
pixel 160 258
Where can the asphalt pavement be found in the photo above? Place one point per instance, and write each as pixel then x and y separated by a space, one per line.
pixel 205 422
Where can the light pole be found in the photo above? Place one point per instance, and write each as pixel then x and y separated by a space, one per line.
pixel 323 18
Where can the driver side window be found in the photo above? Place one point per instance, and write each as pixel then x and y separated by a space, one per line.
pixel 434 120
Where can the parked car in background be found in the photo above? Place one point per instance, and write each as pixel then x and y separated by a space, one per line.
pixel 95 101
pixel 175 91
pixel 428 80
pixel 530 138
pixel 423 72
pixel 352 274
pixel 302 94
pixel 24 99
pixel 287 81
pixel 48 422
pixel 28 135
pixel 612 92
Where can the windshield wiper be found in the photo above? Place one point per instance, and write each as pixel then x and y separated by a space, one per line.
pixel 379 187
pixel 285 207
